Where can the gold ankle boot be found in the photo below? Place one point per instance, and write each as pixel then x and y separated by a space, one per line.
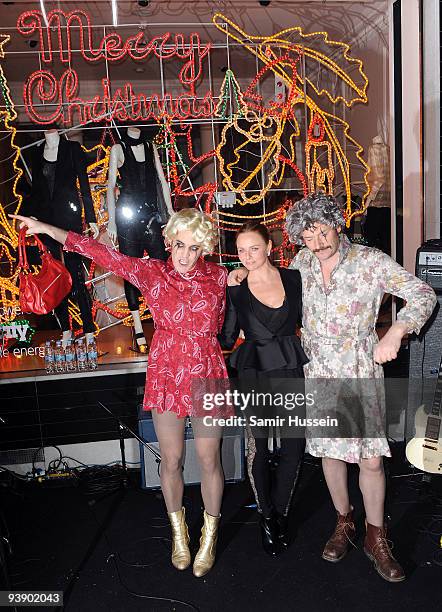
pixel 205 557
pixel 180 539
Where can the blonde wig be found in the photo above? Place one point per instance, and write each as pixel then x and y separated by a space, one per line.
pixel 201 226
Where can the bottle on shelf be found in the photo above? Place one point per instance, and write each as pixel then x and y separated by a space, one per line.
pixel 60 360
pixel 71 362
pixel 49 357
pixel 81 355
pixel 92 354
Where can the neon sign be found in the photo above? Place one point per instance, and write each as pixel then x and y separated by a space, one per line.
pixel 123 104
pixel 58 37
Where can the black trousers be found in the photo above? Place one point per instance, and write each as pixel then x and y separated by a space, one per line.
pixel 274 474
pixel 138 231
pixel 273 487
pixel 79 293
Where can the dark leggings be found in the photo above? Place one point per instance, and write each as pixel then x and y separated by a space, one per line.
pixel 273 489
pixel 140 233
pixel 78 294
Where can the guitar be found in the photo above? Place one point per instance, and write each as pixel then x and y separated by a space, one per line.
pixel 424 451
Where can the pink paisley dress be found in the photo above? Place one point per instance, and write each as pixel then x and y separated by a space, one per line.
pixel 188 313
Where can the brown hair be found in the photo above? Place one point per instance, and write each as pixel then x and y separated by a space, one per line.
pixel 254 226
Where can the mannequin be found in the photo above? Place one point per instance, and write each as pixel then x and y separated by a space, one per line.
pixel 143 205
pixel 56 166
pixel 378 222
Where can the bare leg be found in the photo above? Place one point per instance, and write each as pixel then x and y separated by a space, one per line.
pixel 335 472
pixel 372 485
pixel 170 433
pixel 207 444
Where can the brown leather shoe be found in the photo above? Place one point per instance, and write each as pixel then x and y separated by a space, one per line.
pixel 344 534
pixel 377 549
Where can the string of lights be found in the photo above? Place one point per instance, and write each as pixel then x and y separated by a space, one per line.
pixel 8 234
pixel 248 122
pixel 264 48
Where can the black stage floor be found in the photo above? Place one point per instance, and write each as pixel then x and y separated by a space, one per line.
pixel 113 553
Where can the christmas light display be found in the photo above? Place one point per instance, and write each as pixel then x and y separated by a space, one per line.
pixel 42 87
pixel 266 126
pixel 111 47
pixel 273 51
pixel 250 123
pixel 230 92
pixel 8 234
pixel 120 103
pixel 295 40
pixel 206 190
pixel 320 179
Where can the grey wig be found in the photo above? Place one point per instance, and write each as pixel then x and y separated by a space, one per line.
pixel 315 208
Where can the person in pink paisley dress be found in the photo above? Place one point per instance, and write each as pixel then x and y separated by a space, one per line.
pixel 186 296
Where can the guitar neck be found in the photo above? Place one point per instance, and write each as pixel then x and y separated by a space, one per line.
pixel 437 400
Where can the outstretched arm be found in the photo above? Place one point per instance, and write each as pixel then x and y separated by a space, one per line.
pixel 38 227
pixel 136 271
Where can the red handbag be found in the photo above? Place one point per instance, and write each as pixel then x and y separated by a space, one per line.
pixel 42 292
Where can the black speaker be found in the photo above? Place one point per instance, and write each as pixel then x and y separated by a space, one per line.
pixel 429 264
pixel 425 355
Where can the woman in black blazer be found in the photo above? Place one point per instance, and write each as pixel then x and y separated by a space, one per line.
pixel 267 307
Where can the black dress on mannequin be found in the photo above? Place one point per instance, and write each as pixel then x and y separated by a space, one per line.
pixel 137 211
pixel 54 199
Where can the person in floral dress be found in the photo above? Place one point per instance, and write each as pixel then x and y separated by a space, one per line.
pixel 343 285
pixel 186 296
pixel 342 289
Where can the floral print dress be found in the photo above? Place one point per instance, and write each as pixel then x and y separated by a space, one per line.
pixel 339 334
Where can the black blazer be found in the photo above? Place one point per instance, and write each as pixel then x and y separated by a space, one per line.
pixel 65 207
pixel 264 350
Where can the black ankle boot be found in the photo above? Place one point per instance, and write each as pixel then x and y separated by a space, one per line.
pixel 283 529
pixel 269 535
